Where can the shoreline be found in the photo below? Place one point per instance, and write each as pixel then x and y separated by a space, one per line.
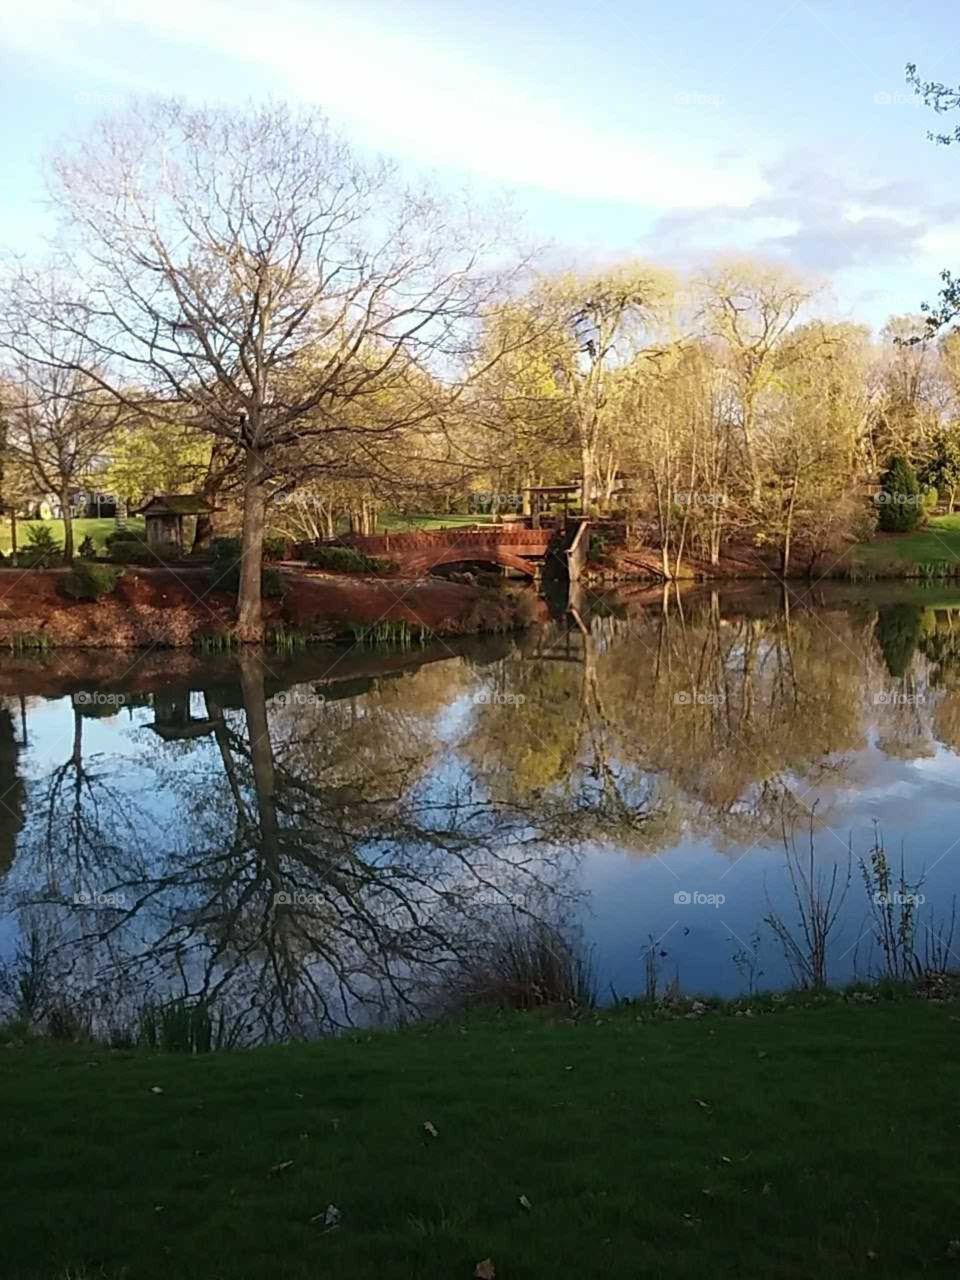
pixel 173 609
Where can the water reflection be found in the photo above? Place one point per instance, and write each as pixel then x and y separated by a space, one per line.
pixel 321 841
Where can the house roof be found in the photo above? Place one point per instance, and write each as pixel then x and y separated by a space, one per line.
pixel 175 504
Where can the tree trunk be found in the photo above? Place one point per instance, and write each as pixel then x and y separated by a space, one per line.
pixel 13 531
pixel 587 481
pixel 67 527
pixel 203 533
pixel 213 481
pixel 250 594
pixel 261 758
pixel 788 529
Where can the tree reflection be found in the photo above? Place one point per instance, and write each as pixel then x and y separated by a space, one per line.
pixel 304 854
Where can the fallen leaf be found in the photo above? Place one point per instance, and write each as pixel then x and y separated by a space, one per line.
pixel 700 1103
pixel 430 1128
pixel 485 1270
pixel 156 1089
pixel 279 1168
pixel 525 1203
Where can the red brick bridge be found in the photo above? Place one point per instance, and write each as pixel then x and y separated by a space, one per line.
pixel 512 545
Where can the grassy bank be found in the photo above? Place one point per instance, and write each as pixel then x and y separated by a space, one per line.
pixel 98 530
pixel 938 542
pixel 818 1139
pixel 393 522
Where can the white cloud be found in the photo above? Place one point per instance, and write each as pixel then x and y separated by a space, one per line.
pixel 399 92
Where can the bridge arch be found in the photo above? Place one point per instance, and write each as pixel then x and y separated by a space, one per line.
pixel 425 559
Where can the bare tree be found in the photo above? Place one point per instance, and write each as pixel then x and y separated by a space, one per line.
pixel 248 266
pixel 59 419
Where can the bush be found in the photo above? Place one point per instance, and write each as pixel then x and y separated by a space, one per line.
pixel 139 553
pixel 224 577
pixel 124 535
pixel 87 581
pixel 230 548
pixel 225 548
pixel 88 548
pixel 274 548
pixel 900 503
pixel 347 560
pixel 43 549
pixel 131 551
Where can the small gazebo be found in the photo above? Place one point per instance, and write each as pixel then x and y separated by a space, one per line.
pixel 165 513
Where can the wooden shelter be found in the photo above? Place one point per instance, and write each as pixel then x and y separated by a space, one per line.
pixel 165 513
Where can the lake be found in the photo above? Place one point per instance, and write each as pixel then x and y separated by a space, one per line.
pixel 317 841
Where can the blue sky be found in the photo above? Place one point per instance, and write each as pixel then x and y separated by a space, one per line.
pixel 659 130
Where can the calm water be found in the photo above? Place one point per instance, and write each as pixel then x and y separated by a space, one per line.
pixel 317 841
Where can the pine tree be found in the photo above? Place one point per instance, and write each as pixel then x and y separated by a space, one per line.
pixel 900 502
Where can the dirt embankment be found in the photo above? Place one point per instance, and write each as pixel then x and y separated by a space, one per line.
pixel 645 564
pixel 170 608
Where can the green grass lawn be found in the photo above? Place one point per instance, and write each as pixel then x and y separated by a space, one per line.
pixel 819 1141
pixel 96 529
pixel 390 522
pixel 940 540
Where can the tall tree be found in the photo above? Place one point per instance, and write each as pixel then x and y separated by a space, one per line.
pixel 749 308
pixel 229 251
pixel 59 417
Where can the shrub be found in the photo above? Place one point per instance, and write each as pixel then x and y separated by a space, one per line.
pixel 88 548
pixel 43 549
pixel 225 548
pixel 124 535
pixel 87 581
pixel 900 503
pixel 140 553
pixel 347 560
pixel 131 551
pixel 524 963
pixel 274 548
pixel 224 578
